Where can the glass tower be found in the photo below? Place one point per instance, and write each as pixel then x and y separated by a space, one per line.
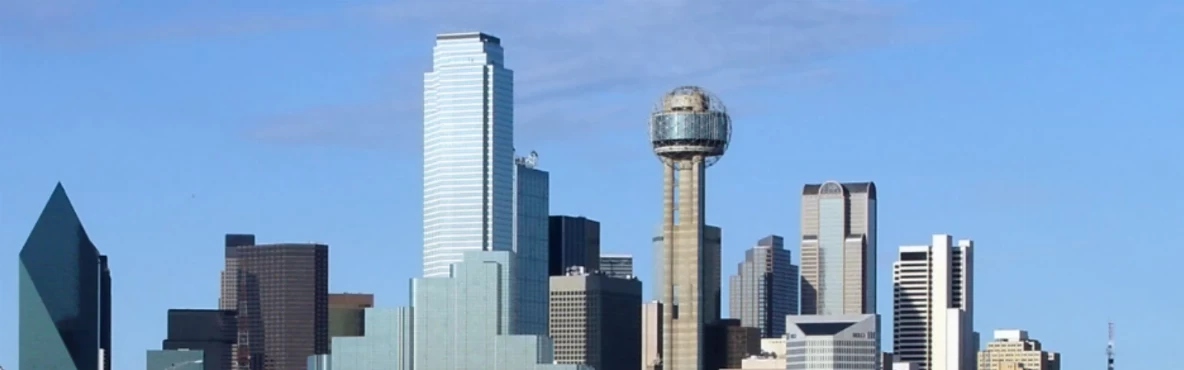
pixel 838 248
pixel 765 287
pixel 63 290
pixel 468 151
pixel 531 209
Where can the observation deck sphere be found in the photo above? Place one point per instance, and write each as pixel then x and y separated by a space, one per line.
pixel 690 121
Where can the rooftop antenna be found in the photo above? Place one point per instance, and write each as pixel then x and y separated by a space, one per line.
pixel 1110 348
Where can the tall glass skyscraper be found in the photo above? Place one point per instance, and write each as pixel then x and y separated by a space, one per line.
pixel 532 207
pixel 468 144
pixel 838 250
pixel 765 287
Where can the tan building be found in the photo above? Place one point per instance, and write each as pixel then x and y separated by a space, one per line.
pixel 651 335
pixel 596 319
pixel 347 314
pixel 838 249
pixel 1013 350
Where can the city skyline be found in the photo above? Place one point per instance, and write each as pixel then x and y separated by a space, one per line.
pixel 164 227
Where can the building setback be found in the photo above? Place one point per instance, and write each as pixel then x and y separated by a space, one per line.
pixel 1013 350
pixel 387 344
pixel 838 249
pixel 463 322
pixel 347 314
pixel 596 320
pixel 617 265
pixel 764 289
pixel 468 151
pixel 532 207
pixel 933 315
pixel 849 342
pixel 574 241
pixel 64 293
pixel 209 332
pixel 283 304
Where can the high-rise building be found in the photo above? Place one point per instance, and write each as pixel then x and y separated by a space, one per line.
pixel 463 322
pixel 283 305
pixel 838 248
pixel 729 343
pixel 64 293
pixel 387 344
pixel 209 332
pixel 617 265
pixel 765 287
pixel 596 319
pixel 689 130
pixel 574 241
pixel 347 314
pixel 228 297
pixel 532 207
pixel 1013 350
pixel 176 359
pixel 712 243
pixel 933 315
pixel 832 342
pixel 651 335
pixel 468 151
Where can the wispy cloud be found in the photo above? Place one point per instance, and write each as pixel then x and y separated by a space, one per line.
pixel 575 62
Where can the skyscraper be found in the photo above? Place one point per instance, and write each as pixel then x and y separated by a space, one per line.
pixel 596 320
pixel 64 290
pixel 689 130
pixel 283 304
pixel 228 297
pixel 764 289
pixel 933 318
pixel 531 208
pixel 209 332
pixel 838 249
pixel 651 335
pixel 616 265
pixel 574 241
pixel 464 322
pixel 468 158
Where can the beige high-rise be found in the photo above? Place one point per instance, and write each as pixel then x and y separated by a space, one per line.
pixel 838 249
pixel 1013 350
pixel 933 300
pixel 651 335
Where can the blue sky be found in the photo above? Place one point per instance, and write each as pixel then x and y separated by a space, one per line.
pixel 1049 133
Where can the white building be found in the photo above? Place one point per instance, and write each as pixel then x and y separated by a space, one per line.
pixel 849 342
pixel 933 318
pixel 468 151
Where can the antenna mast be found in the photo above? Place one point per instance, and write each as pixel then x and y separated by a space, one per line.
pixel 1110 348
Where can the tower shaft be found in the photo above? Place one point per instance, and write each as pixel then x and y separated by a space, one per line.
pixel 686 289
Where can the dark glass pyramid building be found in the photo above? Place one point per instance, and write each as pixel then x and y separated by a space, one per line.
pixel 64 294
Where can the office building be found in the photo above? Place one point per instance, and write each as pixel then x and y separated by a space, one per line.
pixel 617 265
pixel 712 242
pixel 838 249
pixel 347 314
pixel 463 322
pixel 228 297
pixel 320 362
pixel 210 332
pixel 63 293
pixel 532 207
pixel 387 344
pixel 933 292
pixel 574 241
pixel 651 335
pixel 728 343
pixel 848 342
pixel 689 130
pixel 468 151
pixel 596 319
pixel 283 304
pixel 1013 350
pixel 176 359
pixel 764 289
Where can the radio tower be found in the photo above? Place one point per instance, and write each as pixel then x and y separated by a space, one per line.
pixel 1110 349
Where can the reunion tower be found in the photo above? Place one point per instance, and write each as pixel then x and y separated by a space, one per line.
pixel 690 130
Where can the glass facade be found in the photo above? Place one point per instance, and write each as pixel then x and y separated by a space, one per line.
pixel 387 344
pixel 573 241
pixel 283 304
pixel 61 293
pixel 468 151
pixel 211 332
pixel 765 287
pixel 182 359
pixel 462 322
pixel 532 209
pixel 831 234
